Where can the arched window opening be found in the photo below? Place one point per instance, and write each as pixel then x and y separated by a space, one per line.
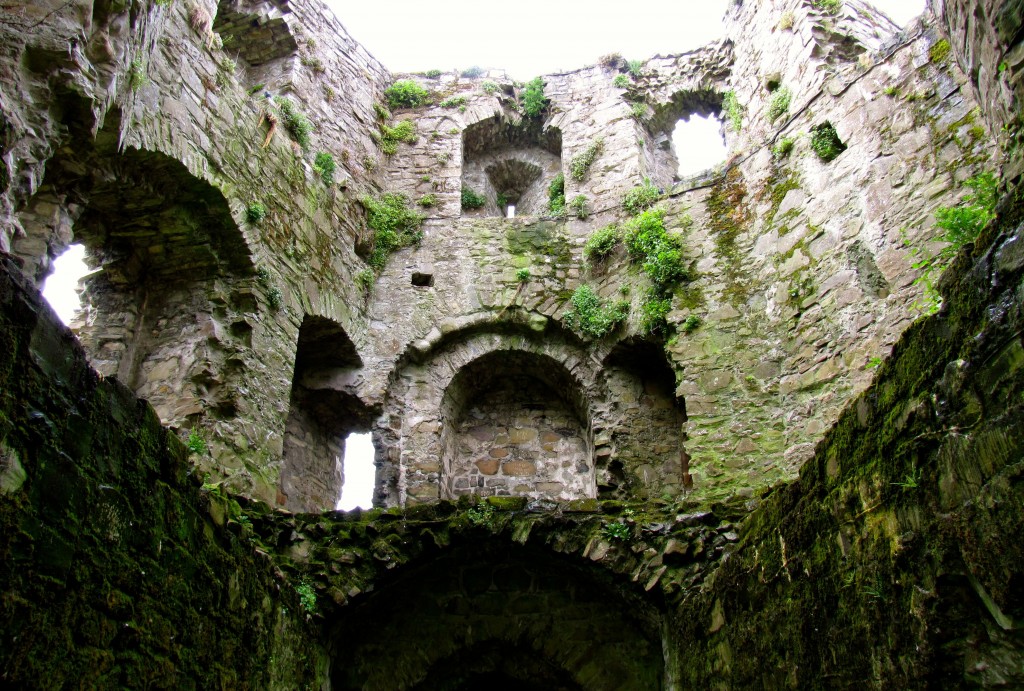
pixel 324 409
pixel 510 164
pixel 358 473
pixel 698 143
pixel 62 286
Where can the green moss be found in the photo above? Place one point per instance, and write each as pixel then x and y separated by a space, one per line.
pixel 939 51
pixel 580 164
pixel 733 110
pixel 389 138
pixel 779 190
pixel 394 225
pixel 826 142
pixel 507 503
pixel 728 217
pixel 779 104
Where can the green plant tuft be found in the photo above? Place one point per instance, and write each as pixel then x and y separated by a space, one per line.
pixel 523 275
pixel 390 137
pixel 787 20
pixel 381 111
pixel 472 72
pixel 779 104
pixel 406 93
pixel 298 125
pixel 691 323
pixel 365 280
pixel 654 314
pixel 136 74
pixel 578 206
pixel 195 443
pixel 307 597
pixel 394 224
pixel 471 199
pixel 828 6
pixel 784 147
pixel 533 100
pixel 325 166
pixel 638 109
pixel 427 201
pixel 481 515
pixel 641 197
pixel 826 142
pixel 453 102
pixel 432 74
pixel 489 87
pixel 660 254
pixel 961 225
pixel 618 531
pixel 621 81
pixel 580 164
pixel 601 243
pixel 591 316
pixel 635 67
pixel 255 212
pixel 733 110
pixel 556 196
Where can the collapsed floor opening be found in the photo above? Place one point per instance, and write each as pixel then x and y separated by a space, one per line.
pixel 501 614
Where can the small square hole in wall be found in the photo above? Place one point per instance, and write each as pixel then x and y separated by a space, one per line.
pixel 422 280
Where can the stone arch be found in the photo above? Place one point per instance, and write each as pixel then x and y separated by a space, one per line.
pixel 660 124
pixel 646 437
pixel 450 617
pixel 163 310
pixel 515 423
pixel 408 435
pixel 323 409
pixel 513 161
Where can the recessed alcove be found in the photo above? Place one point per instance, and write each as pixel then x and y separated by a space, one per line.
pixel 515 423
pixel 510 164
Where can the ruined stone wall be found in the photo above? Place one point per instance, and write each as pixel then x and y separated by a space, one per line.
pixel 118 569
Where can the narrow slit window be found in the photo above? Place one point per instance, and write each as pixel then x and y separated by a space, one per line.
pixel 357 487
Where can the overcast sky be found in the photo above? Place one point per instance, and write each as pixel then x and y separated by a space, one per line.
pixel 532 37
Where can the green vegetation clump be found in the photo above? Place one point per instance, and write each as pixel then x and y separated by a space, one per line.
pixel 365 280
pixel 533 100
pixel 523 275
pixel 325 166
pixel 298 125
pixel 406 93
pixel 654 314
pixel 471 199
pixel 592 316
pixel 960 225
pixel 307 597
pixel 939 51
pixel 621 81
pixel 381 111
pixel 691 323
pixel 641 197
pixel 733 110
pixel 784 147
pixel 394 224
pixel 472 72
pixel 660 254
pixel 427 201
pixel 826 142
pixel 390 137
pixel 618 531
pixel 481 515
pixel 787 20
pixel 195 443
pixel 255 212
pixel 581 162
pixel 779 104
pixel 638 109
pixel 432 74
pixel 601 243
pixel 578 205
pixel 136 74
pixel 828 6
pixel 635 67
pixel 489 87
pixel 556 196
pixel 453 102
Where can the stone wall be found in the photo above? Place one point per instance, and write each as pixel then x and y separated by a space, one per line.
pixel 118 569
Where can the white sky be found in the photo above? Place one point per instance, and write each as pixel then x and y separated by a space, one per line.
pixel 526 38
pixel 533 37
